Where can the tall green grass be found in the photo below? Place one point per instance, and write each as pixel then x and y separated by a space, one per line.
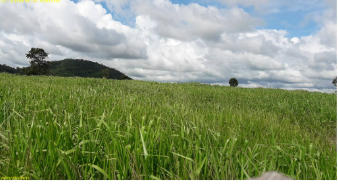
pixel 84 128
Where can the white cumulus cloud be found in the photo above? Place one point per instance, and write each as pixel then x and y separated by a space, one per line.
pixel 174 43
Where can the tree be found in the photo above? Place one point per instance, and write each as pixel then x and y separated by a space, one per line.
pixel 233 82
pixel 334 82
pixel 105 73
pixel 37 58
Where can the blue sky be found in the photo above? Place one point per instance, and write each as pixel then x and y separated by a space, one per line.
pixel 294 20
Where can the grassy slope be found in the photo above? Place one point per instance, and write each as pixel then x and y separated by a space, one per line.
pixel 84 128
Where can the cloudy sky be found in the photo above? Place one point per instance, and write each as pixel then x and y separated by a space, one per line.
pixel 289 44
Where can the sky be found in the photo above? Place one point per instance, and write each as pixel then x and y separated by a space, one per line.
pixel 288 44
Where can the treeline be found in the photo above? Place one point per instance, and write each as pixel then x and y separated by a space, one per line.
pixel 8 69
pixel 72 68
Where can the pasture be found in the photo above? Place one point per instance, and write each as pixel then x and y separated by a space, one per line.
pixel 85 128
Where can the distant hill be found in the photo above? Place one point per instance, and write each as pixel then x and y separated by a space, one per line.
pixel 8 69
pixel 73 68
pixel 81 68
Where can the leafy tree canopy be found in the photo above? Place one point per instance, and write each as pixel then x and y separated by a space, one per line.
pixel 334 82
pixel 233 82
pixel 37 58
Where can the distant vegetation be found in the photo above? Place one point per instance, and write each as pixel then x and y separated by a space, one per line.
pixel 233 82
pixel 83 68
pixel 334 82
pixel 8 69
pixel 39 65
pixel 65 68
pixel 72 68
pixel 85 128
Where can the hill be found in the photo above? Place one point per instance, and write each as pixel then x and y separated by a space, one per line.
pixel 8 69
pixel 81 68
pixel 72 68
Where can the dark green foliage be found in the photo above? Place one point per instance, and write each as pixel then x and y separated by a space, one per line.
pixel 105 73
pixel 334 82
pixel 71 68
pixel 8 69
pixel 124 77
pixel 37 58
pixel 81 68
pixel 233 82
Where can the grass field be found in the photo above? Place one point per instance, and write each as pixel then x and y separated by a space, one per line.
pixel 84 128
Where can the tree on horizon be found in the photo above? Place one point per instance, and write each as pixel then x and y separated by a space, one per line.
pixel 37 61
pixel 334 82
pixel 233 82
